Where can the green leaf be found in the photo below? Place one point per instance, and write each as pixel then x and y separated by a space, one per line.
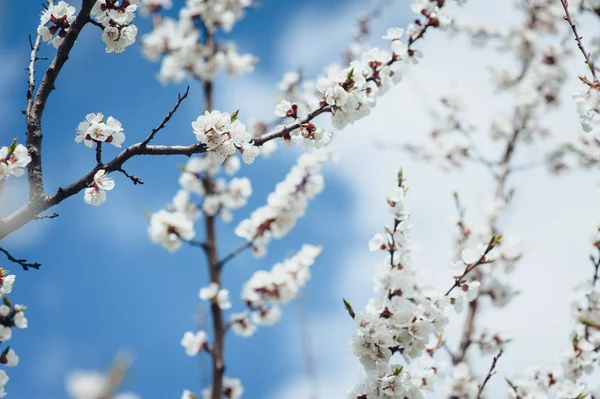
pixel 509 382
pixel 349 308
pixel 398 370
pixel 350 74
pixel 12 147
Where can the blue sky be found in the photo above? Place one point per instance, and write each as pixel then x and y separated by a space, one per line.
pixel 103 286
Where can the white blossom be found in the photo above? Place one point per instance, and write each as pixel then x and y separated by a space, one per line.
pixel 94 129
pixel 60 16
pixel 95 194
pixel 13 161
pixel 194 343
pixel 170 228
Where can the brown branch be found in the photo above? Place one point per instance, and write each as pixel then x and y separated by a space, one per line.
pixel 489 374
pixel 285 130
pixel 98 153
pixel 219 328
pixel 37 104
pixel 163 124
pixel 135 180
pixel 34 207
pixel 214 269
pixel 588 59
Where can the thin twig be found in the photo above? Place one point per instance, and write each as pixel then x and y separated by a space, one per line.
pixel 489 374
pixel 588 60
pixel 40 217
pixel 23 262
pixel 96 23
pixel 134 179
pixel 235 253
pixel 163 124
pixel 194 243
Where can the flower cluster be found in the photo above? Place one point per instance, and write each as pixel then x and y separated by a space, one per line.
pixel 94 129
pixel 404 314
pixel 351 92
pixel 588 106
pixel 60 16
pixel 223 134
pixel 170 228
pixel 116 17
pixel 286 204
pixel 221 197
pixel 11 316
pixel 505 254
pixel 461 383
pixel 176 223
pixel 232 389
pixel 180 41
pixel 308 135
pixel 95 194
pixel 213 292
pixel 194 343
pixel 13 161
pixel 267 290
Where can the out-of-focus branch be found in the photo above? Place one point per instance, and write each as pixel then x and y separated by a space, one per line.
pixel 504 171
pixel 307 351
pixel 235 253
pixel 489 374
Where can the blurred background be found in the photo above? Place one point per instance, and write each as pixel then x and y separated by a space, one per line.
pixel 103 286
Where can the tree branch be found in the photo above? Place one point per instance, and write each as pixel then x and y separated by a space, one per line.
pixel 588 60
pixel 22 262
pixel 34 207
pixel 163 124
pixel 235 253
pixel 285 130
pixel 489 374
pixel 38 104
